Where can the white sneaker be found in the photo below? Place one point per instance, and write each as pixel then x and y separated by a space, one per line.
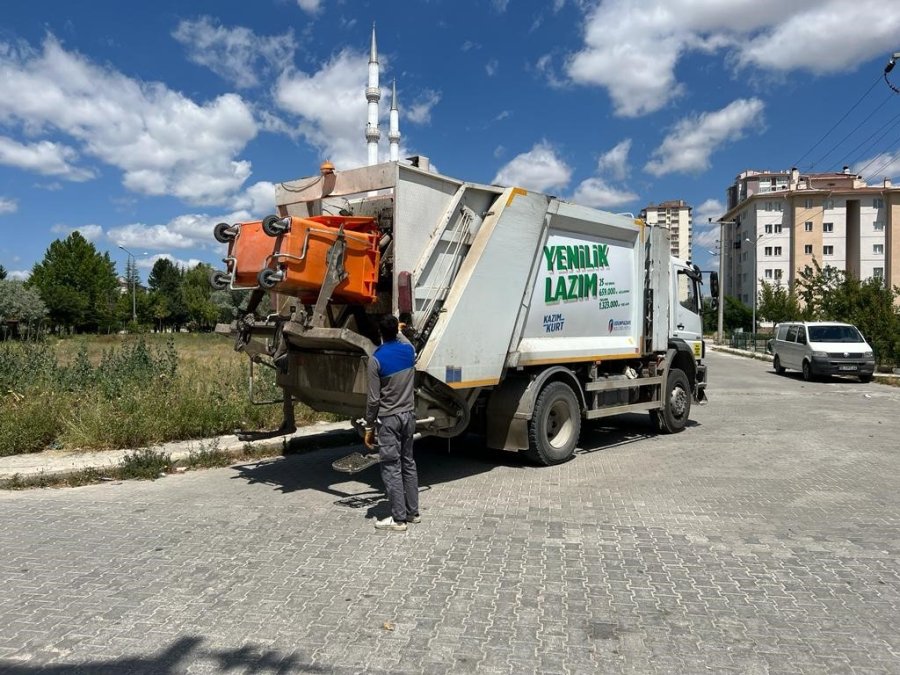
pixel 389 524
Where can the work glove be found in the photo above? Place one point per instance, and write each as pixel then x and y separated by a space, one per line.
pixel 369 439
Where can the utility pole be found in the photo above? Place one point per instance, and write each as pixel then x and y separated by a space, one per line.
pixel 720 333
pixel 755 272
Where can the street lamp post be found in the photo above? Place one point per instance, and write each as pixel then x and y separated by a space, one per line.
pixel 132 260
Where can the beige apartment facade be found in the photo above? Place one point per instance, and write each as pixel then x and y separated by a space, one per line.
pixel 778 223
pixel 676 215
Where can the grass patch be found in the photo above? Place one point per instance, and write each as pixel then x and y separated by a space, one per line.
pixel 112 392
pixel 145 463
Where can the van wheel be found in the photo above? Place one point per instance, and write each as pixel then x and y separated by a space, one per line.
pixel 808 373
pixel 677 410
pixel 776 364
pixel 554 426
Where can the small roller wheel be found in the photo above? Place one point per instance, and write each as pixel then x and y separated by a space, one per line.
pixel 273 226
pixel 268 279
pixel 223 233
pixel 219 280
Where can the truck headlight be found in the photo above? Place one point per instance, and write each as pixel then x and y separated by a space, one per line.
pixel 823 355
pixel 868 355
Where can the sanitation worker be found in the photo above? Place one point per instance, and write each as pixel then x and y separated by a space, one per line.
pixel 390 414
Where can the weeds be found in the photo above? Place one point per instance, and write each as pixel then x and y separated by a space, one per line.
pixel 145 463
pixel 106 393
pixel 208 457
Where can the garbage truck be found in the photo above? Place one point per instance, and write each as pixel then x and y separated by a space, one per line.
pixel 530 314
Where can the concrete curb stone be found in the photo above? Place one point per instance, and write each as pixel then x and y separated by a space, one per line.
pixel 59 463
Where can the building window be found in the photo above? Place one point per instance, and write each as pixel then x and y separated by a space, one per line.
pixel 878 249
pixel 777 228
pixel 807 226
pixel 807 249
pixel 768 274
pixel 878 203
pixel 769 228
pixel 807 203
pixel 828 250
pixel 878 272
pixel 777 250
pixel 778 274
pixel 829 203
pixel 778 206
pixel 768 250
pixel 807 269
pixel 878 226
pixel 827 227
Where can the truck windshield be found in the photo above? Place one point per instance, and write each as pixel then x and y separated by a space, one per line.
pixel 834 334
pixel 687 292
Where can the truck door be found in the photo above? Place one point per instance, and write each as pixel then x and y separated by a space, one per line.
pixel 687 321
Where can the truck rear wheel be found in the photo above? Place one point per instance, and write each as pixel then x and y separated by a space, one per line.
pixel 677 409
pixel 554 426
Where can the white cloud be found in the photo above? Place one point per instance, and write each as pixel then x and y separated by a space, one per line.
pixel 89 232
pixel 538 169
pixel 258 200
pixel 330 104
pixel 706 239
pixel 43 157
pixel 237 55
pixel 18 275
pixel 615 161
pixel 420 111
pixel 884 165
pixel 693 139
pixel 147 262
pixel 711 208
pixel 598 193
pixel 165 143
pixel 310 6
pixel 638 66
pixel 500 5
pixel 8 205
pixel 491 67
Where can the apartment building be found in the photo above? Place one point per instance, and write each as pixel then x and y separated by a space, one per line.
pixel 777 223
pixel 676 216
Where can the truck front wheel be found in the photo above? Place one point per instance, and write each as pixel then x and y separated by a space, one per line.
pixel 554 426
pixel 677 409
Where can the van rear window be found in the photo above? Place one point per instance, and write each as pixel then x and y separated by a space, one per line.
pixel 834 334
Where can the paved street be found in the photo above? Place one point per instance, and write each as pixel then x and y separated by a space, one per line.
pixel 765 538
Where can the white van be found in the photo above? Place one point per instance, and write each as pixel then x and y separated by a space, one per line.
pixel 818 348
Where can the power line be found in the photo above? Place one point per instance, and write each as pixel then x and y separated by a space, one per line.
pixel 881 166
pixel 853 131
pixel 887 126
pixel 846 114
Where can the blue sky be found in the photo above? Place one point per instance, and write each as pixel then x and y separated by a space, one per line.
pixel 143 124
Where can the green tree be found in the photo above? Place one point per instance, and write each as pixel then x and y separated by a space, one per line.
pixel 201 310
pixel 831 294
pixel 2 273
pixel 77 283
pixel 20 304
pixel 736 315
pixel 777 303
pixel 165 283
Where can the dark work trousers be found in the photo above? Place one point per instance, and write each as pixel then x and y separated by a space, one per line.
pixel 398 468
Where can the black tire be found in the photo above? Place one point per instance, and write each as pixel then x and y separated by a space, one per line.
pixel 776 364
pixel 554 426
pixel 677 410
pixel 273 226
pixel 222 234
pixel 268 278
pixel 865 378
pixel 219 280
pixel 808 373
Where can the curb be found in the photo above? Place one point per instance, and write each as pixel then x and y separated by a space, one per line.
pixel 61 463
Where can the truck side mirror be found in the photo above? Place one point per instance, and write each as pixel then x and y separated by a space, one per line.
pixel 714 288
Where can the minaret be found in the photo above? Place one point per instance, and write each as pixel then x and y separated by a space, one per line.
pixel 394 132
pixel 373 95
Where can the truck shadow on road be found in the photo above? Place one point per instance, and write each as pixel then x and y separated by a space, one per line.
pixel 176 658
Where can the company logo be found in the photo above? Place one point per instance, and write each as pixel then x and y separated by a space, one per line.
pixel 619 325
pixel 553 323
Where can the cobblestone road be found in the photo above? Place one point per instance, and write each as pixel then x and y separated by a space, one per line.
pixel 765 538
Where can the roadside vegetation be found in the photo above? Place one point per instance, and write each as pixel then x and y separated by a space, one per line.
pixel 110 392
